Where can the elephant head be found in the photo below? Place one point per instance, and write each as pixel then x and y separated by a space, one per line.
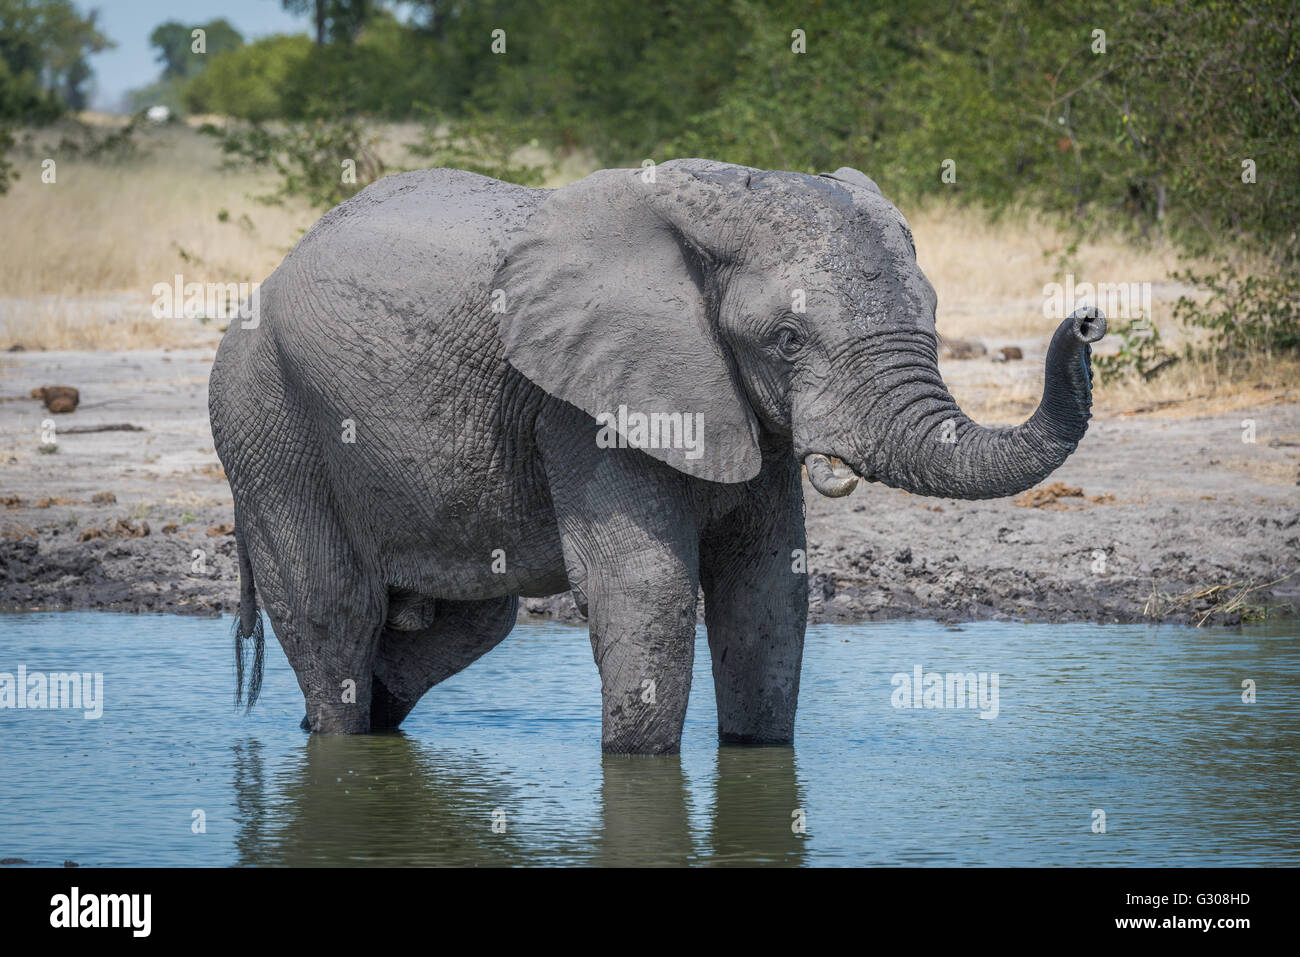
pixel 767 302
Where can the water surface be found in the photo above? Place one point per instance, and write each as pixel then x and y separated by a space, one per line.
pixel 1143 723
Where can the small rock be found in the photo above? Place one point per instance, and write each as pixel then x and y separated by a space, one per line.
pixel 216 531
pixel 58 398
pixel 961 348
pixel 821 584
pixel 103 498
pixel 127 530
pixel 121 529
pixel 1045 497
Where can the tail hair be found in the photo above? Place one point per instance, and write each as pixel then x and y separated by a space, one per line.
pixel 248 627
pixel 256 636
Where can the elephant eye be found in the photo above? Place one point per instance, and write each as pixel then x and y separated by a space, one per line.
pixel 788 342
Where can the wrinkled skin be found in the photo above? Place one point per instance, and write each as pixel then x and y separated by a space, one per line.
pixel 411 438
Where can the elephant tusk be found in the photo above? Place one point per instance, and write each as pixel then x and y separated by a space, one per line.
pixel 825 479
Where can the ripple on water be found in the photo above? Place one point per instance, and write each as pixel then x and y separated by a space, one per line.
pixel 1145 724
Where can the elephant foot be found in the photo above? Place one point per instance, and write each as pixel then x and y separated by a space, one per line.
pixel 385 714
pixel 386 711
pixel 337 718
pixel 754 740
pixel 643 748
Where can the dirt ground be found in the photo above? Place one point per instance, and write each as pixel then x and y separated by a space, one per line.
pixel 1169 507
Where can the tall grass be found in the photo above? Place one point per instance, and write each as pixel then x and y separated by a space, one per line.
pixel 79 257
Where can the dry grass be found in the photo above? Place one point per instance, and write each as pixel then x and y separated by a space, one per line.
pixel 1228 601
pixel 121 227
pixel 990 275
pixel 107 323
pixel 1006 394
pixel 79 258
pixel 1204 388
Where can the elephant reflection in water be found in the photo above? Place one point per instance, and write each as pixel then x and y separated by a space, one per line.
pixel 381 799
pixel 645 811
pixel 387 800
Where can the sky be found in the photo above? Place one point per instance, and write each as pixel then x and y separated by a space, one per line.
pixel 132 63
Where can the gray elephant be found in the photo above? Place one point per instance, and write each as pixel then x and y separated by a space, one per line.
pixel 460 391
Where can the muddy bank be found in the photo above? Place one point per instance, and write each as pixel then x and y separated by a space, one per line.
pixel 1165 508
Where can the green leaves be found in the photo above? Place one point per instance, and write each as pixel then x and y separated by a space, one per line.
pixel 1245 315
pixel 1177 116
pixel 323 159
pixel 480 144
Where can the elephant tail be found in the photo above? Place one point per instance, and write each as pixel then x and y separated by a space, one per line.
pixel 248 627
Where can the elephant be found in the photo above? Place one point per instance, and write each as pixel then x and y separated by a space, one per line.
pixel 456 392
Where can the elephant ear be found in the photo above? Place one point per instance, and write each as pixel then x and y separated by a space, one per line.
pixel 847 174
pixel 609 305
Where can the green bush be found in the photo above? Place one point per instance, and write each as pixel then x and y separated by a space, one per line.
pixel 1245 315
pixel 479 144
pixel 22 99
pixel 1141 352
pixel 1237 317
pixel 1147 113
pixel 324 160
pixel 248 82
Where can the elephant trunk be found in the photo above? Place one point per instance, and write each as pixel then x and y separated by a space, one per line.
pixel 925 444
pixel 824 477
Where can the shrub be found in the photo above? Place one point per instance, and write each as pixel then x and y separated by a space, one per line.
pixel 324 160
pixel 247 82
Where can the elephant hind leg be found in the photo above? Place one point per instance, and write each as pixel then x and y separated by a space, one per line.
pixel 410 662
pixel 326 611
pixel 326 608
pixel 329 630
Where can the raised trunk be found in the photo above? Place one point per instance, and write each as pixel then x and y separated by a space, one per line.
pixel 926 445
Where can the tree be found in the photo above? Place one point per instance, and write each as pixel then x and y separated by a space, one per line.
pixel 175 44
pixel 428 15
pixel 338 21
pixel 43 48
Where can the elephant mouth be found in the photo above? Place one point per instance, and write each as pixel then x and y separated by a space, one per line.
pixel 834 479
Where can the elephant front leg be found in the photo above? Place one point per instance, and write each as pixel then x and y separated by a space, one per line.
pixel 631 547
pixel 756 608
pixel 642 617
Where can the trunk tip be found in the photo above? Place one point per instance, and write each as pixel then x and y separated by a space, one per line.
pixel 1088 323
pixel 825 479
